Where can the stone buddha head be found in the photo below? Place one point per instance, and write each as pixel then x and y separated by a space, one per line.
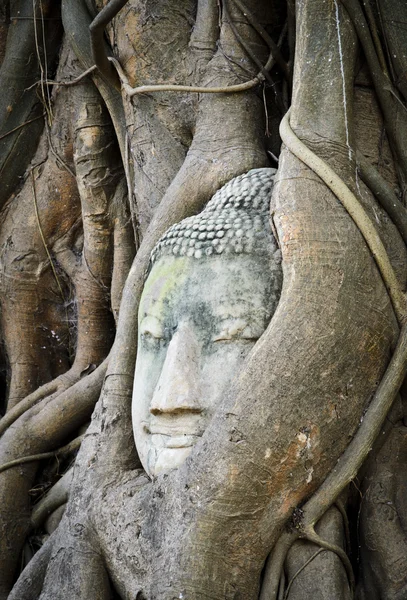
pixel 214 283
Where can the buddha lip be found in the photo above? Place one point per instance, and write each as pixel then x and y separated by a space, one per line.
pixel 177 430
pixel 178 441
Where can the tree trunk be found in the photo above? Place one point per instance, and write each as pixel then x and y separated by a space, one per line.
pixel 90 187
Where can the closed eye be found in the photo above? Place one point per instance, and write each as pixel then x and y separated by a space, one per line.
pixel 151 328
pixel 235 338
pixel 153 343
pixel 150 335
pixel 238 330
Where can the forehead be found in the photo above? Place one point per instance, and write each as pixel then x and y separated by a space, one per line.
pixel 221 285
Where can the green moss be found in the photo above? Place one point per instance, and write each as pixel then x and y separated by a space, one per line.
pixel 169 272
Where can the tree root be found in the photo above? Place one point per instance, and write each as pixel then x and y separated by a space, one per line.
pixel 30 582
pixel 43 426
pixel 75 81
pixel 44 241
pixel 245 46
pixel 76 21
pixel 386 94
pixel 97 30
pixel 274 49
pixel 360 446
pixel 313 537
pixel 164 87
pixel 71 447
pixel 375 37
pixel 206 28
pixel 20 126
pixel 355 210
pixel 18 106
pixel 281 587
pixel 339 505
pixel 56 497
pixel 52 388
pixel 279 555
pixel 384 194
pixel 300 571
pixel 275 565
pixel 19 409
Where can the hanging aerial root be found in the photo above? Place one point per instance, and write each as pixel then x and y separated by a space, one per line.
pixel 300 570
pixel 354 456
pixel 275 565
pixel 246 46
pixel 274 49
pixel 166 87
pixel 272 578
pixel 355 210
pixel 104 63
pixel 20 126
pixel 76 21
pixel 70 82
pixel 97 31
pixel 386 93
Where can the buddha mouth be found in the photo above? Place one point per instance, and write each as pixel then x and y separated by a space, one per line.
pixel 177 430
pixel 167 440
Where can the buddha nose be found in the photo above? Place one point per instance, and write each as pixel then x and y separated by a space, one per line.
pixel 178 388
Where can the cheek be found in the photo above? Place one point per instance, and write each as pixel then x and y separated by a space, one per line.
pixel 148 369
pixel 219 367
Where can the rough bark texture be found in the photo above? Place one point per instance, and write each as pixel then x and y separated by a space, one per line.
pixel 105 178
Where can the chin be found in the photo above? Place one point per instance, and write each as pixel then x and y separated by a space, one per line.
pixel 169 459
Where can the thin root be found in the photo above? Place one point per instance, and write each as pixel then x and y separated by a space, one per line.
pixel 355 210
pixel 313 537
pixel 71 447
pixel 311 558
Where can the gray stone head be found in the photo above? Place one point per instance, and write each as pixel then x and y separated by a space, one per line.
pixel 213 285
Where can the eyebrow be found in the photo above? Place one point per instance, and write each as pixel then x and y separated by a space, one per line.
pixel 247 308
pixel 242 324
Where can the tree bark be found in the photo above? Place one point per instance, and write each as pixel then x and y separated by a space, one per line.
pixel 110 174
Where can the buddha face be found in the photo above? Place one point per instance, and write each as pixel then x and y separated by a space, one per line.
pixel 198 320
